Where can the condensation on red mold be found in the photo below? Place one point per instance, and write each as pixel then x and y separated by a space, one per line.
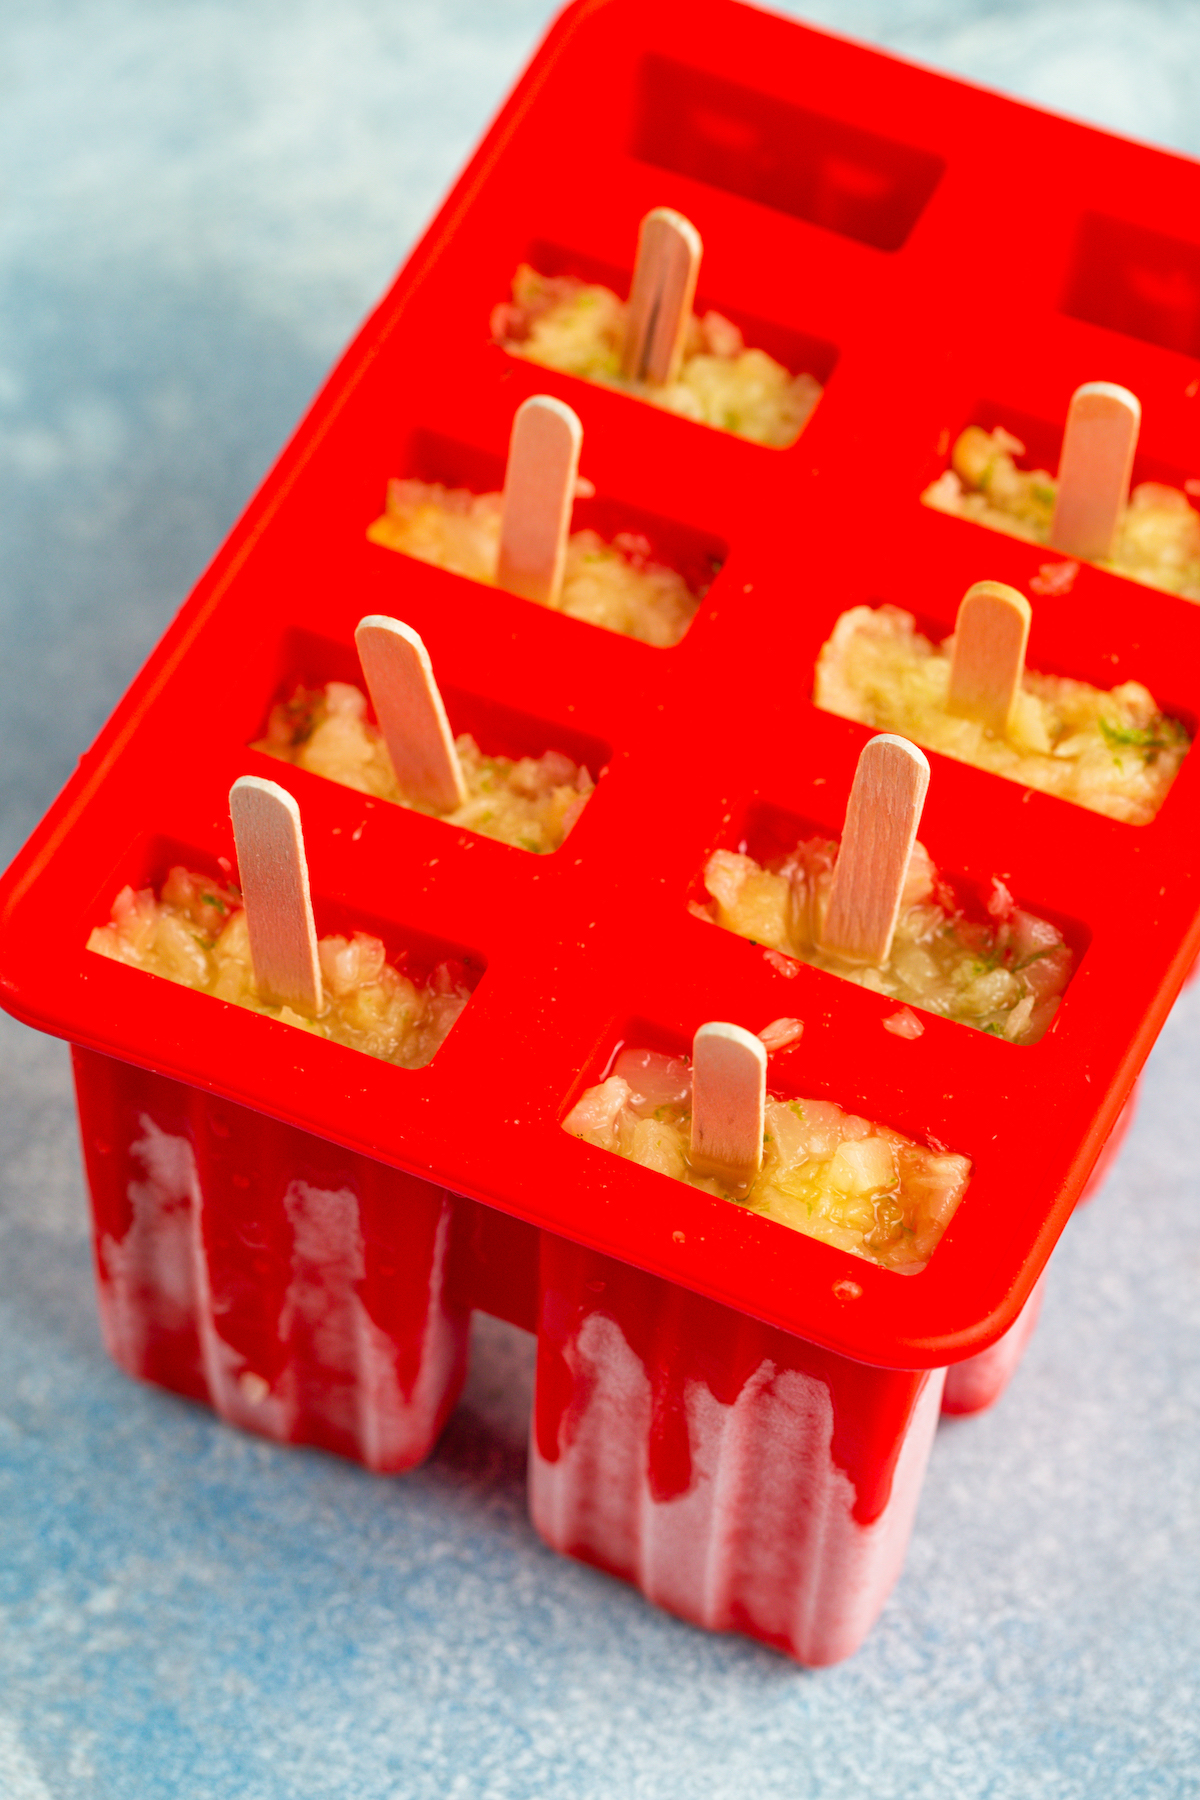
pixel 740 1477
pixel 303 1291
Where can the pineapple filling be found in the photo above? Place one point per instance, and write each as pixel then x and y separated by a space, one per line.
pixel 1111 751
pixel 196 934
pixel 617 586
pixel 1158 538
pixel 825 1172
pixel 1004 976
pixel 531 803
pixel 578 328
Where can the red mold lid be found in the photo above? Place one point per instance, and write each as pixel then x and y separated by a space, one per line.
pixel 838 194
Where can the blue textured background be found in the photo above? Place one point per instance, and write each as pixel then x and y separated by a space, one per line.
pixel 199 201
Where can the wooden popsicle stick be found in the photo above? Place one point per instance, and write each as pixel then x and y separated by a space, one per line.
pixel 1094 469
pixel 990 636
pixel 882 816
pixel 274 880
pixel 729 1085
pixel 539 491
pixel 660 299
pixel 411 715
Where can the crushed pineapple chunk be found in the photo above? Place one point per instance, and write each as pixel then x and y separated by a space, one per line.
pixel 531 802
pixel 196 934
pixel 825 1172
pixel 1004 976
pixel 1113 751
pixel 579 327
pixel 1158 539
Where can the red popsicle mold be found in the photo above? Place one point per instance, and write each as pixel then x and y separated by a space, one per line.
pixel 297 1232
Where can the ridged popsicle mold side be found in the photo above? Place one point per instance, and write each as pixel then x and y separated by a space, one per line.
pixel 301 1290
pixel 740 1477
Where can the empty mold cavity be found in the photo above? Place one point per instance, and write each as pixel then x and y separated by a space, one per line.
pixel 833 174
pixel 829 1171
pixel 306 663
pixel 1128 278
pixel 436 966
pixel 973 968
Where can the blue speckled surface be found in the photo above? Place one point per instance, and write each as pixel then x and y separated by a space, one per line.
pixel 199 202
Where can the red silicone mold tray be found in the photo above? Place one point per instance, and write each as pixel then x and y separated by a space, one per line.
pixel 837 194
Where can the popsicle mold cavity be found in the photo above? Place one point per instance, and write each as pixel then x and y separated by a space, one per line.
pixel 1004 975
pixel 578 328
pixel 343 1330
pixel 1158 537
pixel 740 1477
pixel 617 585
pixel 781 155
pixel 195 933
pixel 531 802
pixel 1127 277
pixel 827 1173
pixel 1113 752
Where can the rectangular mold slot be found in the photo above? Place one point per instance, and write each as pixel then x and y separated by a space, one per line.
pixel 765 149
pixel 638 1031
pixel 799 352
pixel 1086 660
pixel 1089 638
pixel 306 659
pixel 800 1079
pixel 767 833
pixel 1043 444
pixel 1129 278
pixel 147 861
pixel 696 555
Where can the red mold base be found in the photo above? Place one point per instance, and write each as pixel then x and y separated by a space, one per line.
pixel 738 1475
pixel 318 1295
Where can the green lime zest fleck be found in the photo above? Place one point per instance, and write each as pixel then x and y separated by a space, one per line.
pixel 1161 734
